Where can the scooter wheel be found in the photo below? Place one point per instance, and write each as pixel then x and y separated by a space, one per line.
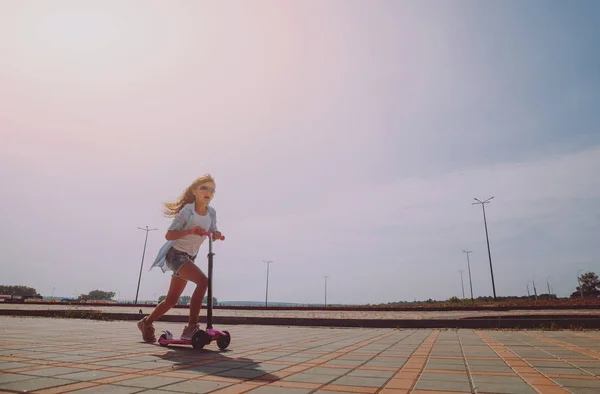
pixel 163 336
pixel 200 339
pixel 224 340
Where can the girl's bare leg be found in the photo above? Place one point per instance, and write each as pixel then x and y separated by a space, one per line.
pixel 145 325
pixel 175 289
pixel 192 273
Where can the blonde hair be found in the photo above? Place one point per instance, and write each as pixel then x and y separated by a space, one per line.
pixel 172 208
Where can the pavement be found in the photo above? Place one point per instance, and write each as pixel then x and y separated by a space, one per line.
pixel 89 356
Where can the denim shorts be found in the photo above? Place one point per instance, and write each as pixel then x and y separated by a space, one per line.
pixel 176 259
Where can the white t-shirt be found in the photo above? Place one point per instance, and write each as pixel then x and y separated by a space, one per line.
pixel 191 243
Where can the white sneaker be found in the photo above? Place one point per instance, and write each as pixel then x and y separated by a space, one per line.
pixel 189 331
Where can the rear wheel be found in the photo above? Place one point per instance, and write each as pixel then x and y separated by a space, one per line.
pixel 164 338
pixel 200 339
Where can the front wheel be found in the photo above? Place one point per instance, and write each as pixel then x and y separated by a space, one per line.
pixel 224 340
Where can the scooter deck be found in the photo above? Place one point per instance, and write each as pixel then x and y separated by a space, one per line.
pixel 163 341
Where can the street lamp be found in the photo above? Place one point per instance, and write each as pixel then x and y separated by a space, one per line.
pixel 267 287
pixel 143 254
pixel 469 268
pixel 325 277
pixel 580 284
pixel 487 239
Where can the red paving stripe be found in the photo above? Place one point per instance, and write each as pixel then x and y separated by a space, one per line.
pixel 407 377
pixel 537 380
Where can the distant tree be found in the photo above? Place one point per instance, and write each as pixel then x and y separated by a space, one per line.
pixel 19 290
pixel 97 295
pixel 589 285
pixel 162 298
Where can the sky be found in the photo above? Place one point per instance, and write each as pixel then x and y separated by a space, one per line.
pixel 347 138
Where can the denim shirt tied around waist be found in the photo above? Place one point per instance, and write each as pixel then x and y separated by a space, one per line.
pixel 182 221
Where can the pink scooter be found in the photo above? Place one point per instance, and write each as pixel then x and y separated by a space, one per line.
pixel 202 337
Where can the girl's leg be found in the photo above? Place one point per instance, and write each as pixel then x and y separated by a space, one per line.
pixel 191 272
pixel 145 325
pixel 175 289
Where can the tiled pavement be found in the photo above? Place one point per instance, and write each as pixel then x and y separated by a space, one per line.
pixel 84 356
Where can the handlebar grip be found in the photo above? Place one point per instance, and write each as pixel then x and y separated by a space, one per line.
pixel 209 234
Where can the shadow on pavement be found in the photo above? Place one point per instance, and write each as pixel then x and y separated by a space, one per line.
pixel 214 362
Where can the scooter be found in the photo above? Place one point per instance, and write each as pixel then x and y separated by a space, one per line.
pixel 202 337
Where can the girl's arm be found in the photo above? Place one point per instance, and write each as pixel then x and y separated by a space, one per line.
pixel 172 235
pixel 175 230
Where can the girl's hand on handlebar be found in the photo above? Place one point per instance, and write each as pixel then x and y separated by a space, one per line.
pixel 197 231
pixel 217 235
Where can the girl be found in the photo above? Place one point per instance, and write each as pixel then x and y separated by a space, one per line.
pixel 192 216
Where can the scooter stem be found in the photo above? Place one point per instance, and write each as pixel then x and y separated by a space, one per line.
pixel 209 298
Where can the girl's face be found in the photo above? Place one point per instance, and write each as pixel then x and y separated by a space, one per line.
pixel 205 192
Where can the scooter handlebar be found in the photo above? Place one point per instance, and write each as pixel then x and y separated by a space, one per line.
pixel 208 234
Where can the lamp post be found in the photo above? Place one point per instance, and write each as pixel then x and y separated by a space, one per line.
pixel 325 277
pixel 469 268
pixel 487 239
pixel 462 283
pixel 147 230
pixel 267 286
pixel 580 284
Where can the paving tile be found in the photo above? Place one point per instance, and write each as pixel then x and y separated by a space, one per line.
pixel 53 371
pixel 490 368
pixel 310 378
pixel 280 390
pixel 196 386
pixel 505 388
pixel 110 389
pixel 203 369
pixel 114 363
pixel 444 366
pixel 13 365
pixel 242 373
pixel 149 381
pixel 12 377
pixel 328 371
pixel 266 367
pixel 446 377
pixel 360 381
pixel 497 379
pixel 349 363
pixel 583 390
pixel 371 373
pixel 89 375
pixel 441 385
pixel 35 384
pixel 561 371
pixel 579 383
